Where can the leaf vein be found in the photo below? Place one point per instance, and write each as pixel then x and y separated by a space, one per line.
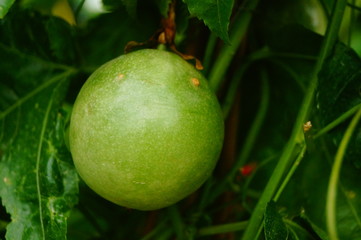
pixel 35 58
pixel 38 159
pixel 34 92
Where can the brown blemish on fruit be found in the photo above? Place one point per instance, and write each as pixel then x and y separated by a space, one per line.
pixel 196 82
pixel 120 76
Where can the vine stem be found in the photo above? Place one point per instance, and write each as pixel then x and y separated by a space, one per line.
pixel 228 51
pixel 290 173
pixel 337 121
pixel 255 222
pixel 212 42
pixel 177 222
pixel 255 128
pixel 224 228
pixel 334 178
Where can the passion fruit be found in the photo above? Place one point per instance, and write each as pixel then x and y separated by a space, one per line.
pixel 146 130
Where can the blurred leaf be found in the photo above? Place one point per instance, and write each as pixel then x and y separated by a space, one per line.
pixel 314 169
pixel 215 14
pixel 294 51
pixel 182 24
pixel 297 231
pixel 101 41
pixel 39 180
pixel 130 5
pixel 79 227
pixel 49 38
pixel 295 38
pixel 61 38
pixel 163 6
pixel 338 91
pixel 274 227
pixel 38 4
pixel 5 6
pixel 321 233
pixel 280 13
pixel 288 71
pixel 343 69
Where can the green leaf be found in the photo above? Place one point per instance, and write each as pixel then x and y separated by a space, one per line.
pixel 314 169
pixel 215 14
pixel 39 182
pixel 100 41
pixel 343 69
pixel 321 233
pixel 61 38
pixel 298 232
pixel 288 70
pixel 5 6
pixel 279 13
pixel 38 4
pixel 49 38
pixel 304 42
pixel 130 5
pixel 274 227
pixel 163 6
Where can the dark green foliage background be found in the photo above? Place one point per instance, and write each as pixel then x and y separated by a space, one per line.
pixel 45 61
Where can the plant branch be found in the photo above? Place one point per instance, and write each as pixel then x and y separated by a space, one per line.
pixel 290 173
pixel 337 121
pixel 256 126
pixel 286 157
pixel 224 228
pixel 334 178
pixel 177 222
pixel 224 59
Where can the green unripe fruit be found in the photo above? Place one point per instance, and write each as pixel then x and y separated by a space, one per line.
pixel 146 130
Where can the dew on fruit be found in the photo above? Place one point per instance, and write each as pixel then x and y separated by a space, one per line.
pixel 6 180
pixel 195 82
pixel 141 183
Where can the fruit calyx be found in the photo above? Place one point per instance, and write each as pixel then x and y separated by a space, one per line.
pixel 165 35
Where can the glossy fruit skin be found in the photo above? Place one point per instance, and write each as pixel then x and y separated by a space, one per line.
pixel 146 130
